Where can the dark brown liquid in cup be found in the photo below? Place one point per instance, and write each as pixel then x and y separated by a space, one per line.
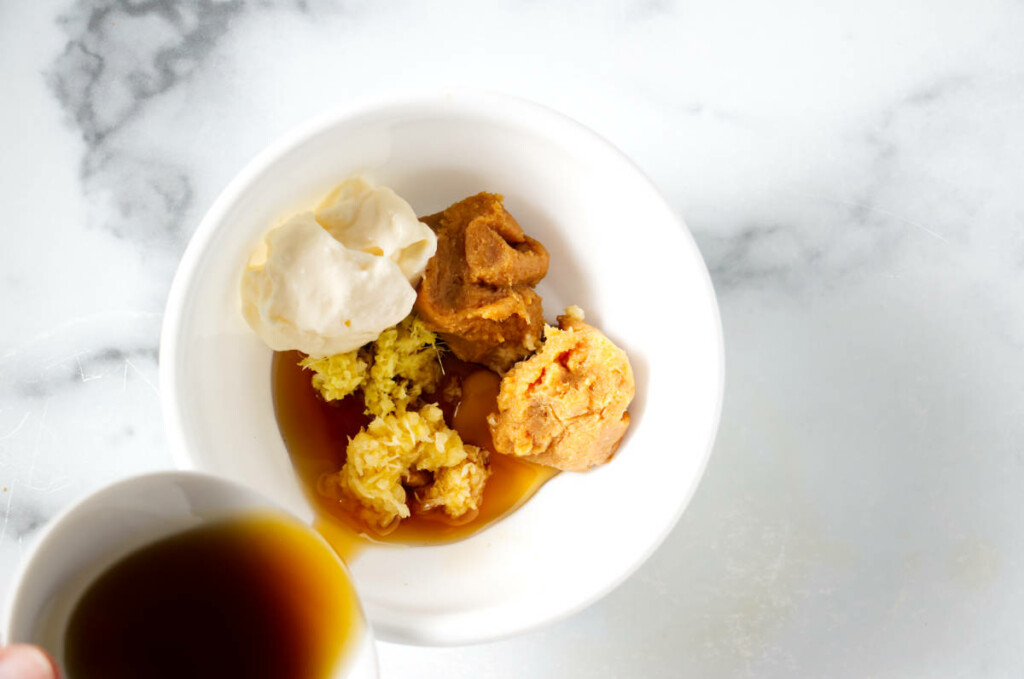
pixel 250 597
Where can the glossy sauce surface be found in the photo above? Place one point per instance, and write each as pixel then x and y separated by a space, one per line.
pixel 316 433
pixel 254 597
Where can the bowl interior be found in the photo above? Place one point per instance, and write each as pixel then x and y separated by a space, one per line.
pixel 617 250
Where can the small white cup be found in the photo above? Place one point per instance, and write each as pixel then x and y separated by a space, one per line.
pixel 94 534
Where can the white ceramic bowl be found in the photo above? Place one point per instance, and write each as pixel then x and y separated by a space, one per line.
pixel 617 250
pixel 86 539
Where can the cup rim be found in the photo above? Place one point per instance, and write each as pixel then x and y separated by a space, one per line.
pixel 361 651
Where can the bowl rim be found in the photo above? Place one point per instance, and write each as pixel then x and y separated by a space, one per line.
pixel 530 115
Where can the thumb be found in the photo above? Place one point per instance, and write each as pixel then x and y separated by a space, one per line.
pixel 21 661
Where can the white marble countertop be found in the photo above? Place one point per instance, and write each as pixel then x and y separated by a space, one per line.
pixel 853 172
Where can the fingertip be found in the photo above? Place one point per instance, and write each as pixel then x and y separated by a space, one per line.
pixel 22 661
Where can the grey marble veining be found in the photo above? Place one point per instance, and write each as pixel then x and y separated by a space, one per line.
pixel 850 170
pixel 118 57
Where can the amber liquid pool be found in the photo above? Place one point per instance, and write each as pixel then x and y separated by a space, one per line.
pixel 316 433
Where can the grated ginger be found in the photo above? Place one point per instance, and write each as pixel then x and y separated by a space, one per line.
pixel 395 448
pixel 337 376
pixel 393 370
pixel 458 489
pixel 405 364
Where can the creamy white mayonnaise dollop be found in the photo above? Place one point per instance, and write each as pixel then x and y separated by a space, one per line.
pixel 329 282
pixel 376 220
